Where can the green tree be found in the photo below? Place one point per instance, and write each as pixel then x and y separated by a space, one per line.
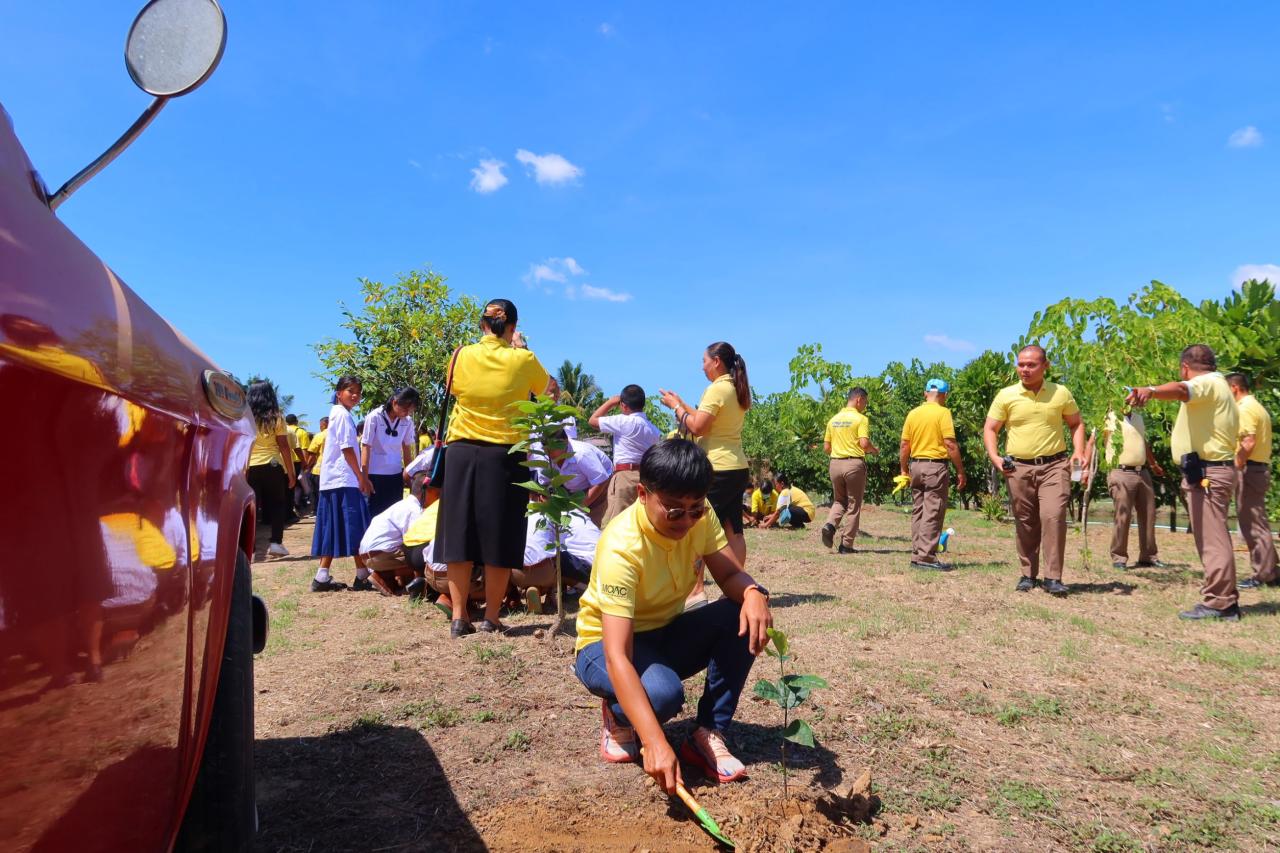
pixel 285 400
pixel 577 387
pixel 402 335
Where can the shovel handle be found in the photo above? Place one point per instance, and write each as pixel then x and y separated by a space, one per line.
pixel 687 798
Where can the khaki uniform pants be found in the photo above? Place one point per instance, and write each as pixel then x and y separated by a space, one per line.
pixel 930 485
pixel 1132 490
pixel 386 561
pixel 1040 494
pixel 1251 511
pixel 622 493
pixel 1213 539
pixel 848 484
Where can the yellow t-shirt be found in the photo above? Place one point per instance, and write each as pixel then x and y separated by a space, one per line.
pixel 800 499
pixel 925 427
pixel 423 529
pixel 490 376
pixel 317 447
pixel 304 437
pixel 1033 421
pixel 762 505
pixel 1256 421
pixel 424 441
pixel 1209 423
pixel 1133 437
pixel 723 443
pixel 843 431
pixel 265 447
pixel 641 575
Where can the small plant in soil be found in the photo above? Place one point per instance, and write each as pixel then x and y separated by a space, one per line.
pixel 789 692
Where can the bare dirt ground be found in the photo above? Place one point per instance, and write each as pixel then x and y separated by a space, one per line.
pixel 989 719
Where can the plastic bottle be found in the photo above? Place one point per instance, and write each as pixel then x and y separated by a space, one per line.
pixel 1076 471
pixel 945 539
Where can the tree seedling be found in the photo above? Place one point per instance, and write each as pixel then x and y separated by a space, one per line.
pixel 788 692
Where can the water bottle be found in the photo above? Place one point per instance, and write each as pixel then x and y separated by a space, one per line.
pixel 945 538
pixel 1076 471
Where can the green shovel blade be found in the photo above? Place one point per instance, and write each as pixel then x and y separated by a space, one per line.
pixel 712 828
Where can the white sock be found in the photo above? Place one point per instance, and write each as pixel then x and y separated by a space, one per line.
pixel 322 575
pixel 361 574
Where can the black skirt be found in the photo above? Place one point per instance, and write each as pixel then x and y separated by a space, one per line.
pixel 725 497
pixel 482 509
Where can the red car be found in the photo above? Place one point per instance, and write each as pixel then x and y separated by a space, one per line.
pixel 127 623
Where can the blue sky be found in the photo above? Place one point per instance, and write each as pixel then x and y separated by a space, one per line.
pixel 890 183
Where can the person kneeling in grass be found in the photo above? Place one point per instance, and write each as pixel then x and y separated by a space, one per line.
pixel 635 645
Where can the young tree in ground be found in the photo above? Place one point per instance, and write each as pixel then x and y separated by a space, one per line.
pixel 403 334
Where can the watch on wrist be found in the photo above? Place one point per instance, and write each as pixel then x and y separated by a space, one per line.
pixel 758 588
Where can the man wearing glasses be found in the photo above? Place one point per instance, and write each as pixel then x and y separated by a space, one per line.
pixel 636 644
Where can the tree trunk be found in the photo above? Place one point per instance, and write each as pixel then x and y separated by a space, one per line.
pixel 557 625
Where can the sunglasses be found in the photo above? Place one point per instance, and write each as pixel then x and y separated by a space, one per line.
pixel 677 513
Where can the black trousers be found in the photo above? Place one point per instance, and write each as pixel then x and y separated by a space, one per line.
pixel 271 486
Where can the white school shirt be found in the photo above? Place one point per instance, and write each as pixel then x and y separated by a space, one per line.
pixel 335 473
pixel 421 462
pixel 570 424
pixel 579 540
pixel 386 530
pixel 386 451
pixel 429 557
pixel 633 434
pixel 589 466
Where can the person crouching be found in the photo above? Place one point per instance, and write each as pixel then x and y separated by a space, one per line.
pixel 382 546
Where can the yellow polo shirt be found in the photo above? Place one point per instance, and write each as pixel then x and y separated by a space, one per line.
pixel 1208 423
pixel 423 529
pixel 641 575
pixel 490 376
pixel 723 443
pixel 1256 421
pixel 1133 437
pixel 762 505
pixel 925 427
pixel 265 447
pixel 304 437
pixel 1033 421
pixel 316 447
pixel 800 499
pixel 424 441
pixel 843 431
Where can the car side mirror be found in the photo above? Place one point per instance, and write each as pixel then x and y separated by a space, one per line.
pixel 172 48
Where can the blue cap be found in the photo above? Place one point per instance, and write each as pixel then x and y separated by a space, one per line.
pixel 939 385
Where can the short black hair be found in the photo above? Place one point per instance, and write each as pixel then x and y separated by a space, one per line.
pixel 857 392
pixel 1200 357
pixel 325 419
pixel 291 419
pixel 676 467
pixel 417 484
pixel 632 397
pixel 1239 380
pixel 766 485
pixel 782 478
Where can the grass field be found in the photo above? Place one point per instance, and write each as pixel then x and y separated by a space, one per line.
pixel 990 720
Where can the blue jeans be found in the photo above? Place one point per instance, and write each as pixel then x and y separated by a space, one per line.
pixel 706 638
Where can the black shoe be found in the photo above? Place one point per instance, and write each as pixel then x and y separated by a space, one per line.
pixel 327 586
pixel 844 550
pixel 1150 564
pixel 491 627
pixel 1254 583
pixel 362 585
pixel 931 565
pixel 1204 611
pixel 458 628
pixel 1025 584
pixel 1053 586
pixel 828 535
pixel 1119 565
pixel 416 589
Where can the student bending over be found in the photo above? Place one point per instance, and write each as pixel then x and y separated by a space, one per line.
pixel 635 645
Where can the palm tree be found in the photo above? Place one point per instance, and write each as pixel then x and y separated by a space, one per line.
pixel 577 387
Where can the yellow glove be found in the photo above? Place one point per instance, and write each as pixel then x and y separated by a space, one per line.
pixel 901 482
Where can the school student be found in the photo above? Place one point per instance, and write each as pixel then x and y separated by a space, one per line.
pixel 633 434
pixel 589 469
pixel 431 577
pixel 382 546
pixel 387 445
pixel 636 643
pixel 271 472
pixel 764 501
pixel 578 542
pixel 342 514
pixel 298 441
pixel 315 449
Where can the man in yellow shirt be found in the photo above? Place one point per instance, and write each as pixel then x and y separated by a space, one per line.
pixel 1253 462
pixel 928 440
pixel 1036 466
pixel 315 450
pixel 794 507
pixel 1204 441
pixel 1131 488
pixel 847 441
pixel 636 643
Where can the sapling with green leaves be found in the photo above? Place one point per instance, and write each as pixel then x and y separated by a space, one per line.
pixel 541 422
pixel 788 692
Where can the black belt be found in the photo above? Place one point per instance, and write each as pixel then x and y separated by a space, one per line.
pixel 1217 463
pixel 927 459
pixel 1130 467
pixel 1253 464
pixel 1042 460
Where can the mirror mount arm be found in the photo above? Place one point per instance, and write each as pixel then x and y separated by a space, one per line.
pixel 104 159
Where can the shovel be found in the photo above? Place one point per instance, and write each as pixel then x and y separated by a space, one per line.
pixel 711 827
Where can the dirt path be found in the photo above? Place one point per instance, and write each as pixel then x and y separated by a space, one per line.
pixel 990 720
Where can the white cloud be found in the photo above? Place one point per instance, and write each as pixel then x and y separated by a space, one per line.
pixel 949 343
pixel 589 292
pixel 1245 137
pixel 1244 272
pixel 415 164
pixel 487 177
pixel 607 30
pixel 552 269
pixel 548 168
pixel 573 267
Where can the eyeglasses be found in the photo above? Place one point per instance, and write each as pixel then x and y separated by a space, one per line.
pixel 677 513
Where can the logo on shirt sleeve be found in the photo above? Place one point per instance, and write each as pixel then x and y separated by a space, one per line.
pixel 616 591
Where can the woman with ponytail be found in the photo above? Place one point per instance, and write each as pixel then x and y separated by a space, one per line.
pixel 482 507
pixel 716 425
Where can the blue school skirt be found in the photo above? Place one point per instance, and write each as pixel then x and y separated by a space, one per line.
pixel 342 516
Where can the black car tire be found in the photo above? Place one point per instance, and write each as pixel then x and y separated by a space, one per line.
pixel 222 814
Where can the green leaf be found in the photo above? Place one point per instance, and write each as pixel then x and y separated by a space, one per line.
pixel 795 696
pixel 779 640
pixel 799 732
pixel 768 690
pixel 807 681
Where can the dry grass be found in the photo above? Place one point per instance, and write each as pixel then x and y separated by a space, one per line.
pixel 991 720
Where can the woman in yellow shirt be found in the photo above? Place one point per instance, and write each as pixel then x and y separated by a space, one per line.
pixel 717 425
pixel 482 516
pixel 271 471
